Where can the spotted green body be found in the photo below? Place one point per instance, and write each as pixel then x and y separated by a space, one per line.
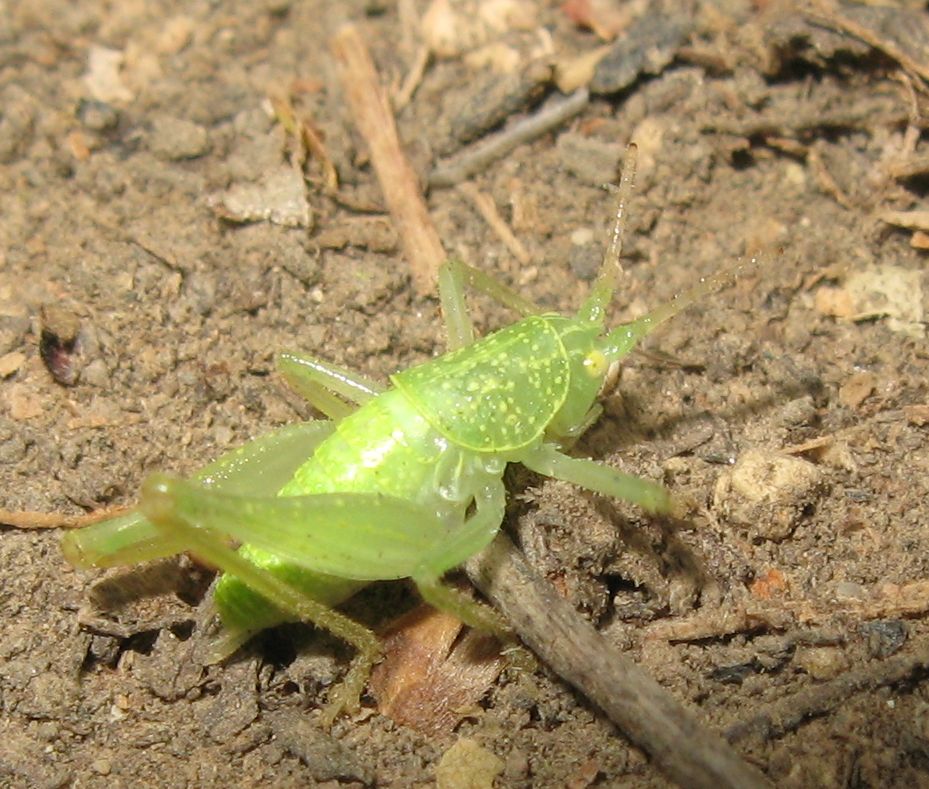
pixel 498 394
pixel 407 484
pixel 387 446
pixel 444 432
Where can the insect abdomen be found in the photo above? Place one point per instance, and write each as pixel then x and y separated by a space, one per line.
pixel 384 447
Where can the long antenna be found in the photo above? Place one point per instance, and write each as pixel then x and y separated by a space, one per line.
pixel 613 260
pixel 621 340
pixel 594 307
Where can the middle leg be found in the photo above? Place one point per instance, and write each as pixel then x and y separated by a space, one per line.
pixel 319 382
pixel 468 539
pixel 454 277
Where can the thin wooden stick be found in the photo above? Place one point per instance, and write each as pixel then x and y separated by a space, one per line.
pixel 482 154
pixel 484 203
pixel 885 601
pixel 56 520
pixel 374 118
pixel 789 713
pixel 680 744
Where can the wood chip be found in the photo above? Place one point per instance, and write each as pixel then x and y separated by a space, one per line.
pixel 917 414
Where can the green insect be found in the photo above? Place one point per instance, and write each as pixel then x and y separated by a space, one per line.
pixel 406 485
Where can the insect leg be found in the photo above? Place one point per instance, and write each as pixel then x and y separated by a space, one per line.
pixel 594 476
pixel 471 537
pixel 319 382
pixel 361 536
pixel 210 547
pixel 454 277
pixel 261 466
pixel 204 537
pixel 455 602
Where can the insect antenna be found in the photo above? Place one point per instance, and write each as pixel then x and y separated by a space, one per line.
pixel 623 338
pixel 594 307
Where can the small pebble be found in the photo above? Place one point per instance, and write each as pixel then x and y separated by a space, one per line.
pixel 768 493
pixel 101 766
pixel 176 139
pixel 97 116
pixel 821 662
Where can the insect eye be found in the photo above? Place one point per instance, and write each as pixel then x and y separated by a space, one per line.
pixel 595 364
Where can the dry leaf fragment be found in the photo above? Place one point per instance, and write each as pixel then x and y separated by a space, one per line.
pixel 917 414
pixel 10 363
pixel 573 72
pixel 919 240
pixel 23 402
pixel 605 18
pixel 834 302
pixel 891 292
pixel 430 678
pixel 769 584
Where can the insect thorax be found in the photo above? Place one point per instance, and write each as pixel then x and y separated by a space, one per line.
pixel 502 393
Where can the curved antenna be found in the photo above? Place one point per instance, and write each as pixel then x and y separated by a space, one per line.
pixel 594 308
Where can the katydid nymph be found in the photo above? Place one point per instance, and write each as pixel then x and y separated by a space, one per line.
pixel 399 482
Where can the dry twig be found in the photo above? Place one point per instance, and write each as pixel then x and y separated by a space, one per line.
pixel 917 219
pixel 485 205
pixel 480 155
pixel 825 179
pixel 398 181
pixel 679 743
pixel 56 520
pixel 308 137
pixel 790 712
pixel 908 167
pixel 886 601
pixel 413 78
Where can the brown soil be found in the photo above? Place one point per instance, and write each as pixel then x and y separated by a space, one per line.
pixel 137 327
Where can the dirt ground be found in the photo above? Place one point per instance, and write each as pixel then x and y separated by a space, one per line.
pixel 157 246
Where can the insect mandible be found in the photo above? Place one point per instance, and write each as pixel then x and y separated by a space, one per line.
pixel 402 482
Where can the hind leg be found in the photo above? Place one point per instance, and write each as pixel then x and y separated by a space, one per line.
pixel 261 467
